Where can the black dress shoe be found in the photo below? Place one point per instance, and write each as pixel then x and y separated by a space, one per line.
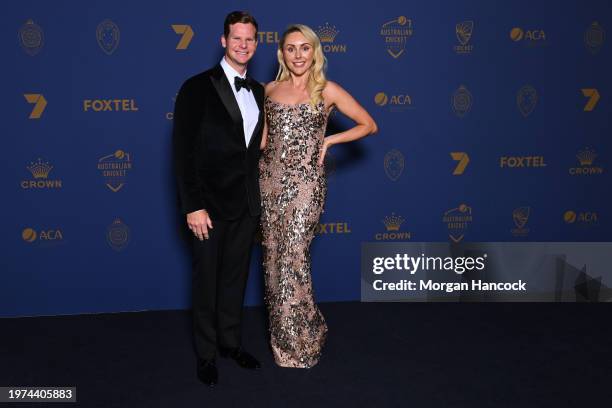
pixel 244 359
pixel 207 372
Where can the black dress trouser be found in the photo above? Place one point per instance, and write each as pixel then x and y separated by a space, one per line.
pixel 220 271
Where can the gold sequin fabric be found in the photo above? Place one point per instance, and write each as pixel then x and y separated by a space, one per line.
pixel 293 191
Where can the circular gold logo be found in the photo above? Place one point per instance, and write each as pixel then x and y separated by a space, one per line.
pixel 118 235
pixel 29 235
pixel 516 34
pixel 381 99
pixel 569 217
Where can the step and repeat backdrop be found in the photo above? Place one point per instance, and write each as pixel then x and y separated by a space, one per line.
pixel 494 125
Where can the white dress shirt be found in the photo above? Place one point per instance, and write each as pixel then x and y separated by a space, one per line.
pixel 246 102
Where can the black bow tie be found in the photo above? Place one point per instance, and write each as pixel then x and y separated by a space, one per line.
pixel 241 83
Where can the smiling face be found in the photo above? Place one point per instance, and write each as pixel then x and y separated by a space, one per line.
pixel 240 45
pixel 298 53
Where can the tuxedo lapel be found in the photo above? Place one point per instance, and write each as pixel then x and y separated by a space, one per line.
pixel 258 92
pixel 223 88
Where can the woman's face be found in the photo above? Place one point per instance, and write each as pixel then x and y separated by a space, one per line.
pixel 298 53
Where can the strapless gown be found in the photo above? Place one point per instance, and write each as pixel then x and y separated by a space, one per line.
pixel 293 189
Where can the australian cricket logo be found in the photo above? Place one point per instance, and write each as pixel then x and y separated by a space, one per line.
pixel 31 38
pixel 396 33
pixel 108 36
pixel 118 235
pixel 526 100
pixel 520 216
pixel 457 221
pixel 464 32
pixel 114 168
pixel 394 164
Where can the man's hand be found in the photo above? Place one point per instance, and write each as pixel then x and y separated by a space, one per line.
pixel 199 222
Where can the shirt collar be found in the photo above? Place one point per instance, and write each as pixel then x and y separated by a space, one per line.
pixel 229 71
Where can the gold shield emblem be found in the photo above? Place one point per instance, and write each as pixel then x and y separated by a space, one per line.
pixel 108 36
pixel 394 164
pixel 464 31
pixel 462 101
pixel 520 216
pixel 526 100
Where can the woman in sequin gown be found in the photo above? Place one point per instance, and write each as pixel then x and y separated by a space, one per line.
pixel 293 189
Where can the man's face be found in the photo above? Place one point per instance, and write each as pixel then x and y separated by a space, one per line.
pixel 240 44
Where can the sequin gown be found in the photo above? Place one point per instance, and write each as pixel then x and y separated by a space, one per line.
pixel 293 191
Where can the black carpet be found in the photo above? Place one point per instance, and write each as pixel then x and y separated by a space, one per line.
pixel 377 355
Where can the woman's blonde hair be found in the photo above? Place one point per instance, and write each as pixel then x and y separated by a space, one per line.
pixel 316 76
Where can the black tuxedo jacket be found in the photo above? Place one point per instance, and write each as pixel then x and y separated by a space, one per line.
pixel 215 169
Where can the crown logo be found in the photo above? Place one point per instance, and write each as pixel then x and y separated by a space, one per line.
pixel 327 33
pixel 40 169
pixel 586 156
pixel 393 222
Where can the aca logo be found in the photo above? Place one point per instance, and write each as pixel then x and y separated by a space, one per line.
pixel 581 217
pixel 520 216
pixel 109 105
pixel 327 34
pixel 395 34
pixel 514 162
pixel 31 38
pixel 394 164
pixel 40 177
pixel 393 225
pixel 108 35
pixel 462 160
pixel 332 228
pixel 394 102
pixel 464 32
pixel 594 37
pixel 186 33
pixel 593 95
pixel 526 100
pixel 533 37
pixel 118 235
pixel 43 236
pixel 268 37
pixel 586 157
pixel 39 102
pixel 457 221
pixel 461 101
pixel 114 168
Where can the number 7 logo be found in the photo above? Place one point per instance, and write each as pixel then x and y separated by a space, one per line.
pixel 187 35
pixel 40 103
pixel 463 160
pixel 593 96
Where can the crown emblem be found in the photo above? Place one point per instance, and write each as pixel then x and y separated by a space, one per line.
pixel 393 222
pixel 586 156
pixel 40 169
pixel 327 33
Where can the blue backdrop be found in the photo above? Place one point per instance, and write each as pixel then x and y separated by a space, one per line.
pixel 493 116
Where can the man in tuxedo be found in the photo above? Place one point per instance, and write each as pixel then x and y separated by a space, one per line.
pixel 218 123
